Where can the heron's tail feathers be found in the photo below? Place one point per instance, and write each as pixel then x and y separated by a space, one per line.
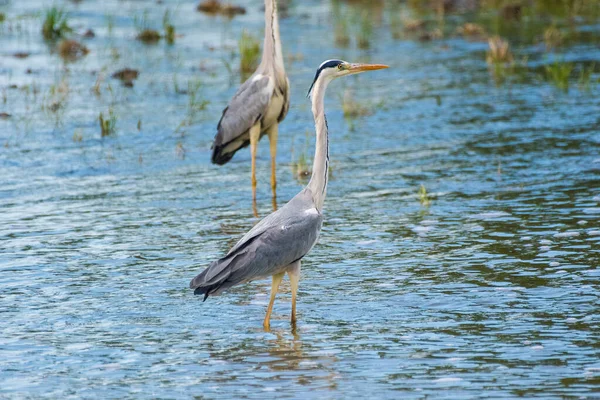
pixel 216 278
pixel 219 156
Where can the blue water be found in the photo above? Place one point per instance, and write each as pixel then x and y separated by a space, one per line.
pixel 486 286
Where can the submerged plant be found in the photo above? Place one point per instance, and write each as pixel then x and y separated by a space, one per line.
pixel 169 28
pixel 145 33
pixel 363 37
pixel 352 108
pixel 71 50
pixel 499 57
pixel 558 74
pixel 249 48
pixel 108 126
pixel 55 24
pixel 585 77
pixel 194 102
pixel 423 196
pixel 552 37
pixel 300 166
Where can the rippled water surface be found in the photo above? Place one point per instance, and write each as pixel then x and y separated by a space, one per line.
pixel 487 285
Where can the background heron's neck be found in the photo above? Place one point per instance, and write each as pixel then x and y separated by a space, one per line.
pixel 272 55
pixel 318 180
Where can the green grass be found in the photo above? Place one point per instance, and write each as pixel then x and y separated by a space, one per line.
pixel 55 24
pixel 424 197
pixel 249 48
pixel 145 33
pixel 108 126
pixel 195 104
pixel 169 28
pixel 585 77
pixel 365 33
pixel 558 74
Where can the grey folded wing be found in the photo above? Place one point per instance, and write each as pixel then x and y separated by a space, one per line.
pixel 281 238
pixel 247 106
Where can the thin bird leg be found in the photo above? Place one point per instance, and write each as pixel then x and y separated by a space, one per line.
pixel 254 136
pixel 294 274
pixel 274 286
pixel 273 133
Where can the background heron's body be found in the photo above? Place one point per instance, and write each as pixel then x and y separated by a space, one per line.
pixel 261 100
pixel 259 105
pixel 276 244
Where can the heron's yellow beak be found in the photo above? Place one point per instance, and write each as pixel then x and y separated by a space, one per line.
pixel 356 68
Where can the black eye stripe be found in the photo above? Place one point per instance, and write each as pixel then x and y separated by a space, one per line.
pixel 326 64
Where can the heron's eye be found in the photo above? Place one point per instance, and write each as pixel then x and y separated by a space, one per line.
pixel 340 67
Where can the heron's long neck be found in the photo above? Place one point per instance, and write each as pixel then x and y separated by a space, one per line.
pixel 272 44
pixel 318 180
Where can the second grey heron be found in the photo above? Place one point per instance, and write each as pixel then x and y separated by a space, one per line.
pixel 275 245
pixel 259 105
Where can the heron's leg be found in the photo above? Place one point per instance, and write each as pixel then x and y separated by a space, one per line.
pixel 273 133
pixel 274 286
pixel 294 274
pixel 254 136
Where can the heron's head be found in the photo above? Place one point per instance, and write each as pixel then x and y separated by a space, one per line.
pixel 332 69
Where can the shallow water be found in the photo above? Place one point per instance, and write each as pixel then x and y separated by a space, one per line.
pixel 490 289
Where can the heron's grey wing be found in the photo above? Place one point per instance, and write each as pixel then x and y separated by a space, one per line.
pixel 283 237
pixel 247 106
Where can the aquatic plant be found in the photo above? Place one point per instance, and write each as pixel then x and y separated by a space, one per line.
pixel 195 104
pixel 180 150
pixel 145 33
pixel 300 167
pixel 249 48
pixel 55 24
pixel 352 108
pixel 558 74
pixel 365 33
pixel 77 136
pixel 2 17
pixel 423 196
pixel 471 30
pixel 499 58
pixel 340 21
pixel 148 36
pixel 585 77
pixel 70 49
pixel 214 7
pixel 107 126
pixel 552 37
pixel 169 28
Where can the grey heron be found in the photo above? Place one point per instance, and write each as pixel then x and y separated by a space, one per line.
pixel 276 245
pixel 258 106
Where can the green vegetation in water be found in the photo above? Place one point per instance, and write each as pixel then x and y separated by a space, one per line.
pixel 499 58
pixel 249 48
pixel 341 31
pixel 169 28
pixel 300 166
pixel 77 136
pixel 553 37
pixel 72 50
pixel 55 24
pixel 365 33
pixel 352 108
pixel 108 126
pixel 585 77
pixel 424 197
pixel 195 104
pixel 558 74
pixel 2 17
pixel 145 33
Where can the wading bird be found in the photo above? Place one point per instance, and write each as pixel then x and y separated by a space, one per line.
pixel 258 107
pixel 276 244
